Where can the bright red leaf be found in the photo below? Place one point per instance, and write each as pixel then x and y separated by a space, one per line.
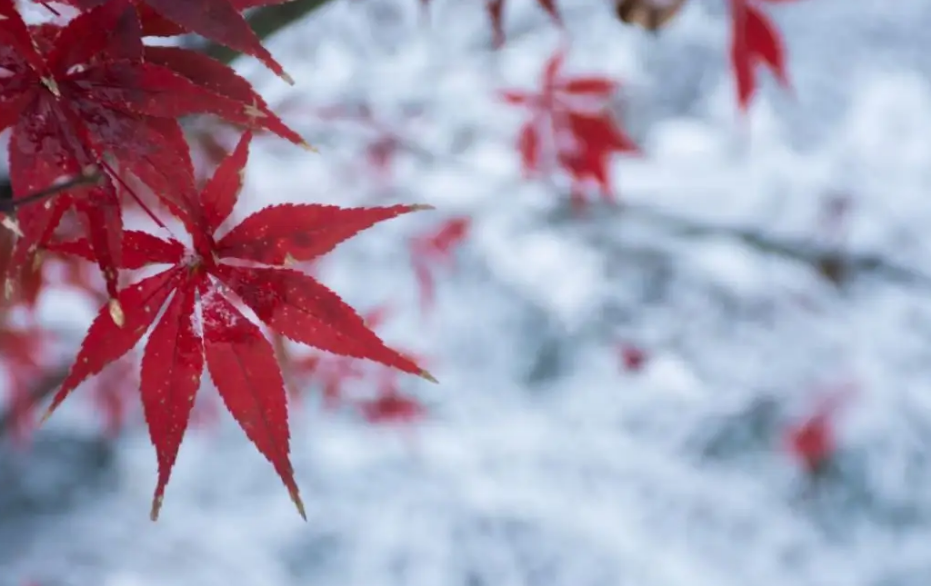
pixel 239 358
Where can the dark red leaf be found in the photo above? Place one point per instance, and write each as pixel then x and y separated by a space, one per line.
pixel 103 222
pixel 220 21
pixel 109 32
pixel 221 80
pixel 15 42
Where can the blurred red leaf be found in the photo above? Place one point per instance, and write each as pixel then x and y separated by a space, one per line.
pixel 570 127
pixel 754 41
pixel 434 249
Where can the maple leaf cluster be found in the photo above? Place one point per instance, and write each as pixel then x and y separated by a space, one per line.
pixel 571 128
pixel 94 117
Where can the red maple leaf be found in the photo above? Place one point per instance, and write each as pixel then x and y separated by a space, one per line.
pixel 571 128
pixel 633 357
pixel 754 40
pixel 495 10
pixel 436 248
pixel 392 407
pixel 813 440
pixel 217 20
pixel 203 325
pixel 89 95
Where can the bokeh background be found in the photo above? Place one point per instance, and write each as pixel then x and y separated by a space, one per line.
pixel 619 388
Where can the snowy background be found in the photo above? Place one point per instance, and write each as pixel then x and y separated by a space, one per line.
pixel 544 461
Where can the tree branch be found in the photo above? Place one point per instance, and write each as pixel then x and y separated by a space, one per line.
pixel 833 263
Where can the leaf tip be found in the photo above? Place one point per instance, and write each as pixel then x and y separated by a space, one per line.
pixel 296 499
pixel 421 207
pixel 116 312
pixel 287 78
pixel 45 416
pixel 156 507
pixel 427 376
pixel 308 147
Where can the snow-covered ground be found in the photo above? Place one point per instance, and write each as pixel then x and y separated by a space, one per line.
pixel 543 462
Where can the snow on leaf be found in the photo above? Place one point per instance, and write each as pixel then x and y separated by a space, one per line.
pixel 171 369
pixel 243 367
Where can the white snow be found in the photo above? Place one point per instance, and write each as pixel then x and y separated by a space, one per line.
pixel 544 463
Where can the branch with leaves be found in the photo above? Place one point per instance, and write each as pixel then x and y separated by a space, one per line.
pixel 90 94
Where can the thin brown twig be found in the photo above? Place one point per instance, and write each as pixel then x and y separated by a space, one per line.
pixel 90 178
